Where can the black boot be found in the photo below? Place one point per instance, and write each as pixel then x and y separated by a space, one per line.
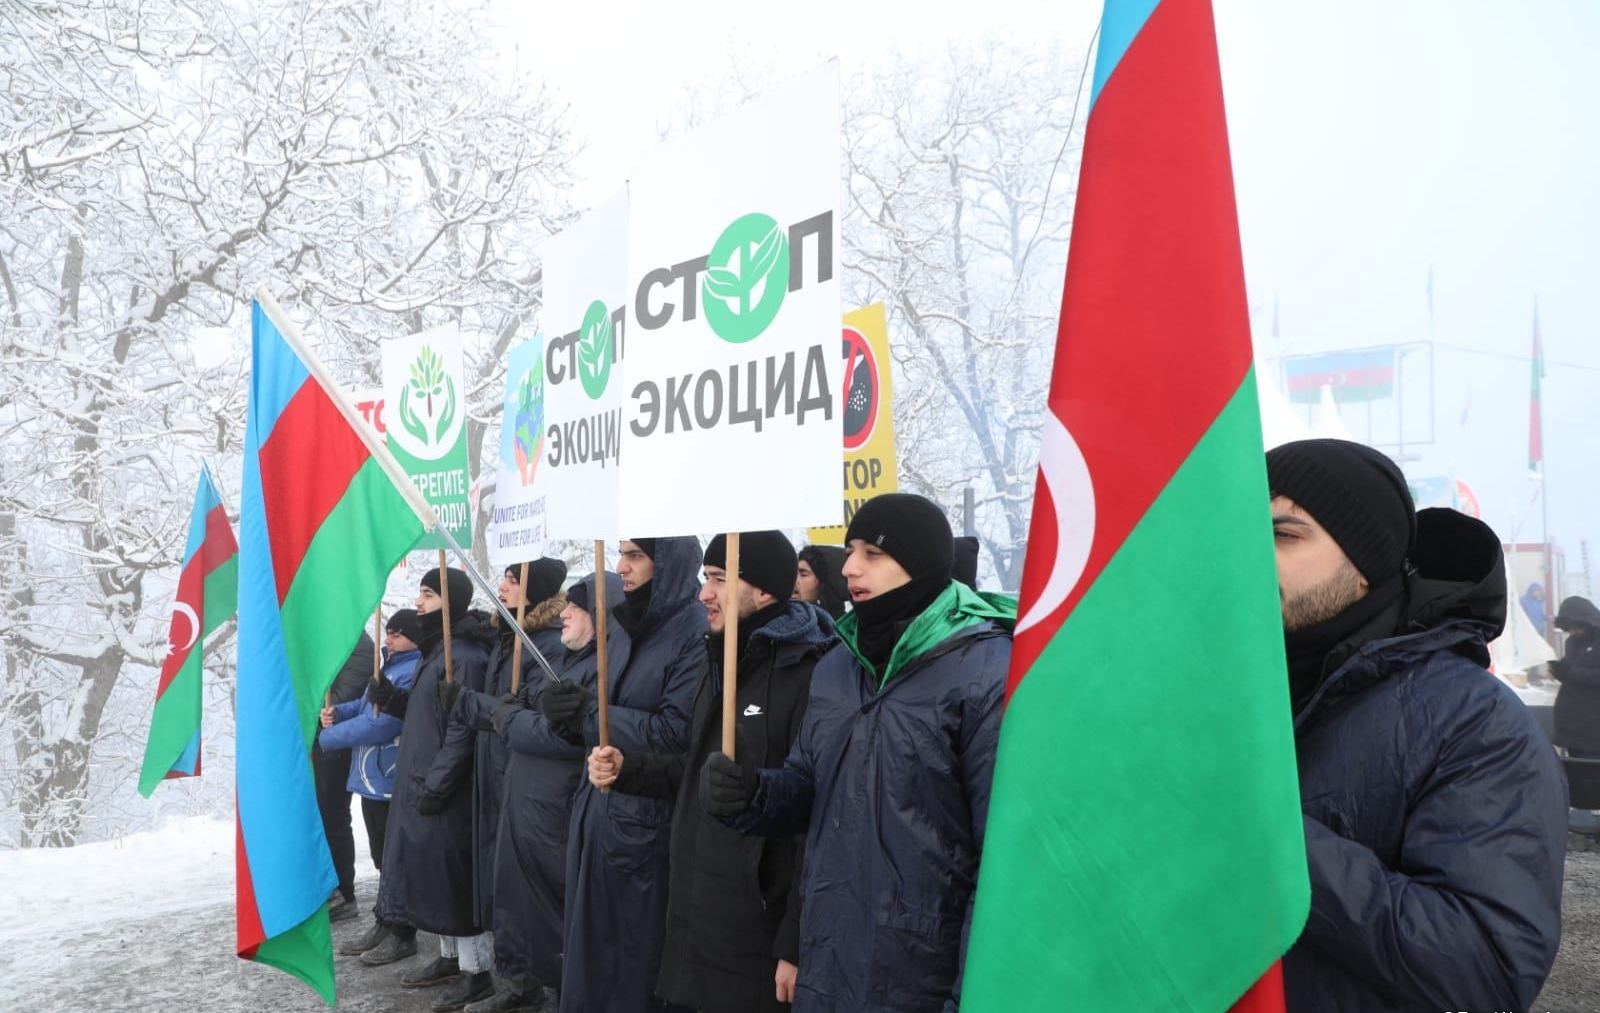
pixel 440 971
pixel 365 941
pixel 471 988
pixel 542 999
pixel 342 908
pixel 393 947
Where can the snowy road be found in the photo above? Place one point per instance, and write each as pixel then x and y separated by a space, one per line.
pixel 146 925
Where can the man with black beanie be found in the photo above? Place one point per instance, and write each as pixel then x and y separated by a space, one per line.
pixel 733 905
pixel 1435 813
pixel 428 854
pixel 819 579
pixel 889 775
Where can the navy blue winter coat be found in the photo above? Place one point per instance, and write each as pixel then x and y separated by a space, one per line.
pixel 473 722
pixel 890 782
pixel 616 903
pixel 531 851
pixel 372 736
pixel 427 860
pixel 1435 811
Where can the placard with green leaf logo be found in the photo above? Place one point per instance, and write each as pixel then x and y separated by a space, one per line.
pixel 424 393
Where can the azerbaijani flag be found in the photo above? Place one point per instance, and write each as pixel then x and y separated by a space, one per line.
pixel 323 521
pixel 1144 847
pixel 205 600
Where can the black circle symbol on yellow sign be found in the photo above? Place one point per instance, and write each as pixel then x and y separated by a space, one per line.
pixel 861 390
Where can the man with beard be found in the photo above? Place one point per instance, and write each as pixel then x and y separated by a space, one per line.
pixel 733 906
pixel 1435 812
pixel 889 776
pixel 472 710
pixel 427 859
pixel 615 911
pixel 531 850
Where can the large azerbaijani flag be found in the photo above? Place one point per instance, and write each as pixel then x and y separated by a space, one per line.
pixel 1144 847
pixel 325 515
pixel 205 600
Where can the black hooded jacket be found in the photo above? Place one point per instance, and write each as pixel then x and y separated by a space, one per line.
pixel 428 860
pixel 1435 812
pixel 1577 713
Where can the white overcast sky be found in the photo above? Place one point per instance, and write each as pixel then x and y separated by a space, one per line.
pixel 1372 139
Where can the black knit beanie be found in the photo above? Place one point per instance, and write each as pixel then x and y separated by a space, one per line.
pixel 767 560
pixel 909 528
pixel 544 578
pixel 460 589
pixel 1357 494
pixel 403 622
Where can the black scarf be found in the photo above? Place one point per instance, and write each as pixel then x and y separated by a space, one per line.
pixel 881 621
pixel 630 614
pixel 1317 650
pixel 430 631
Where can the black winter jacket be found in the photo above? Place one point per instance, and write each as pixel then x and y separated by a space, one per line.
pixel 1435 811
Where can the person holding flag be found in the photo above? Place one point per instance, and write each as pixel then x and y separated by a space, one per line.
pixel 373 739
pixel 1435 811
pixel 889 776
pixel 207 591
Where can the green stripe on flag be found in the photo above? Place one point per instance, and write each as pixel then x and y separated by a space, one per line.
pixel 368 531
pixel 221 593
pixel 1144 847
pixel 305 951
pixel 172 724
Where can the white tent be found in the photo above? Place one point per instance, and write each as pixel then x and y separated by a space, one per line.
pixel 1280 423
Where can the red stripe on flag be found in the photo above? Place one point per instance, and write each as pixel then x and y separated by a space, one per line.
pixel 1155 208
pixel 1266 995
pixel 247 917
pixel 306 465
pixel 217 548
pixel 219 545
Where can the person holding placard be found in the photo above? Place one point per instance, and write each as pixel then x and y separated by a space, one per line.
pixel 733 907
pixel 427 856
pixel 615 912
pixel 531 853
pixel 889 777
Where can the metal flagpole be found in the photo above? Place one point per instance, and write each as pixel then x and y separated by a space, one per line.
pixel 494 597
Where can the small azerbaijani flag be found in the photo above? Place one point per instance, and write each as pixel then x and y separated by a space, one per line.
pixel 207 586
pixel 1159 862
pixel 325 515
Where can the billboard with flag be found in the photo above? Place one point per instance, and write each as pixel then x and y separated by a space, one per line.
pixel 207 585
pixel 1365 374
pixel 325 514
pixel 1144 847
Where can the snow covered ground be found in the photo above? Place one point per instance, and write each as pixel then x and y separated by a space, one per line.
pixel 146 924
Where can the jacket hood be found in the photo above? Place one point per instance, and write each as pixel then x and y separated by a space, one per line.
pixel 1576 612
pixel 1459 574
pixel 957 608
pixel 676 581
pixel 802 623
pixel 474 627
pixel 538 616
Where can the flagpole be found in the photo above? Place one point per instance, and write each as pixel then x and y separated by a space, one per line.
pixel 601 683
pixel 730 644
pixel 494 598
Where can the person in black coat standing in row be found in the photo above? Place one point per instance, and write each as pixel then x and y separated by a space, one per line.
pixel 733 902
pixel 1434 810
pixel 1577 712
pixel 427 858
pixel 332 770
pixel 819 579
pixel 616 904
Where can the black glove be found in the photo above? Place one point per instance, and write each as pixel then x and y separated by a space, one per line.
pixel 448 691
pixel 726 787
pixel 564 702
pixel 382 691
pixel 430 805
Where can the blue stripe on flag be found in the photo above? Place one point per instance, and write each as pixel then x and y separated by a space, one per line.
pixel 1119 24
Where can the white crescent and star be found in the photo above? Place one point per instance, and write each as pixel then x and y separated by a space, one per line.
pixel 1064 470
pixel 180 609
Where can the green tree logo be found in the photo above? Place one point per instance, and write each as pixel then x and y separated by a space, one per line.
pixel 595 349
pixel 428 400
pixel 747 276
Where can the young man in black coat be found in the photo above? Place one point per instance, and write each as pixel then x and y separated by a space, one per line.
pixel 733 903
pixel 1577 713
pixel 1435 812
